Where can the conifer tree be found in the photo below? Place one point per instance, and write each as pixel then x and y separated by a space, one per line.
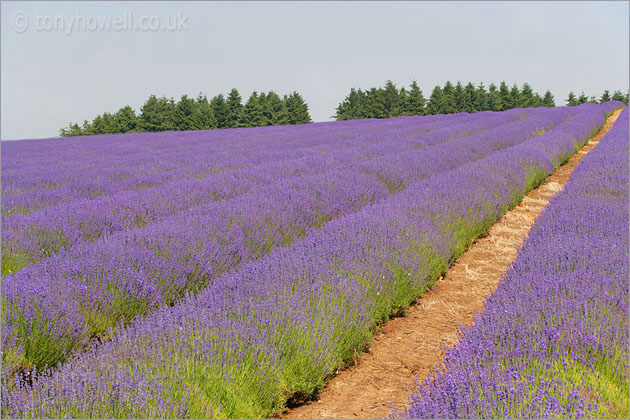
pixel 548 100
pixel 449 104
pixel 221 111
pixel 183 118
pixel 436 101
pixel 203 117
pixel 605 97
pixel 572 100
pixel 235 106
pixel 481 98
pixel 469 98
pixel 414 103
pixel 526 98
pixel 582 98
pixel 391 100
pixel 125 119
pixel 515 95
pixel 375 103
pixel 506 98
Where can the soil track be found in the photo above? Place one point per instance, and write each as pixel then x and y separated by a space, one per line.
pixel 408 347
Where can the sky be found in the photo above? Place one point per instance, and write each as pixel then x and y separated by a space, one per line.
pixel 65 62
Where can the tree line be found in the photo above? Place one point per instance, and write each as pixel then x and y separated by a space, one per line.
pixel 389 101
pixel 164 114
pixel 573 100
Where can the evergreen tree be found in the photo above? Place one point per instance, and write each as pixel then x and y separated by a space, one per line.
pixel 515 96
pixel 495 103
pixel 548 100
pixel 221 111
pixel 402 100
pixel 449 104
pixel 252 115
pixel 481 101
pixel 506 98
pixel 526 98
pixel 605 97
pixel 436 101
pixel 351 108
pixel 374 103
pixel 572 100
pixel 414 103
pixel 183 118
pixel 126 120
pixel 157 114
pixel 272 107
pixel 235 106
pixel 391 100
pixel 202 116
pixel 297 109
pixel 618 96
pixel 469 98
pixel 582 99
pixel 459 97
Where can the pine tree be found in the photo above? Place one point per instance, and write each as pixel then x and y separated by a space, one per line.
pixel 297 109
pixel 202 116
pixel 618 96
pixel 157 114
pixel 436 101
pixel 125 119
pixel 495 103
pixel 414 102
pixel 526 98
pixel 402 100
pixel 469 98
pixel 184 110
pixel 235 106
pixel 221 111
pixel 515 95
pixel 506 98
pixel 351 108
pixel 605 97
pixel 272 107
pixel 449 101
pixel 252 112
pixel 582 99
pixel 459 96
pixel 375 103
pixel 481 98
pixel 572 100
pixel 391 100
pixel 548 100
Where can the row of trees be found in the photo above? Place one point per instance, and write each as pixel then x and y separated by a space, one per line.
pixel 163 114
pixel 573 100
pixel 389 101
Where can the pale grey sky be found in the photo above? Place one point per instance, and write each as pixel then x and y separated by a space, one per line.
pixel 55 71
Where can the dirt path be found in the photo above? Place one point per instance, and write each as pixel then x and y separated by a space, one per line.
pixel 408 347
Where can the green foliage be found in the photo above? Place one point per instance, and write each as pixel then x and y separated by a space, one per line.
pixel 162 114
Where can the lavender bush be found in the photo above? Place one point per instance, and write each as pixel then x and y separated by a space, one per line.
pixel 552 341
pixel 280 325
pixel 65 301
pixel 28 238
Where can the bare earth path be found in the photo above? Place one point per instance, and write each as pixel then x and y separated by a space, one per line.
pixel 408 347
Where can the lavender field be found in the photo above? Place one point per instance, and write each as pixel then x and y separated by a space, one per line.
pixel 226 273
pixel 552 341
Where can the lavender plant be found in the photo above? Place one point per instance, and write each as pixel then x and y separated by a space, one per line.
pixel 280 325
pixel 552 341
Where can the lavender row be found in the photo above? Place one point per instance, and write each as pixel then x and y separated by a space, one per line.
pixel 152 159
pixel 552 341
pixel 279 326
pixel 67 300
pixel 40 234
pixel 121 174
